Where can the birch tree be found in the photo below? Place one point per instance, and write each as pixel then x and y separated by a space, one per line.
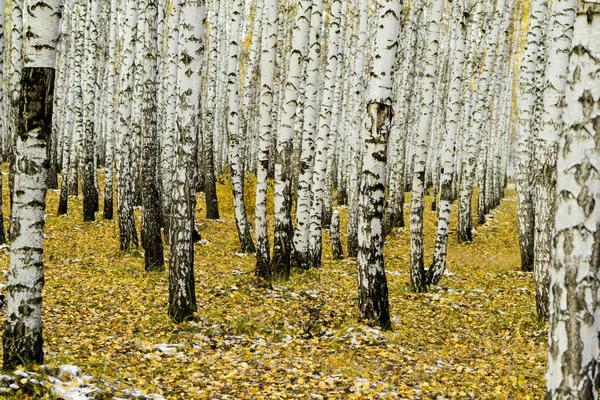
pixel 373 305
pixel 476 122
pixel 355 103
pixel 417 270
pixel 127 230
pixel 574 285
pixel 460 16
pixel 23 340
pixel 2 123
pixel 151 224
pixel 309 127
pixel 267 68
pixel 182 296
pixel 110 116
pixel 282 241
pixel 90 194
pixel 558 46
pixel 233 130
pixel 210 190
pixel 315 245
pixel 67 131
pixel 13 71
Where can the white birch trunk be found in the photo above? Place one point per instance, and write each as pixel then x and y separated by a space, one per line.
pixel 67 131
pixel 127 230
pixel 267 68
pixel 315 246
pixel 210 190
pixel 182 296
pixel 373 304
pixel 573 371
pixel 307 157
pixel 90 194
pixel 417 270
pixel 460 21
pixel 282 242
pixel 23 339
pixel 355 104
pixel 559 45
pixel 110 122
pixel 477 122
pixel 233 130
pixel 151 223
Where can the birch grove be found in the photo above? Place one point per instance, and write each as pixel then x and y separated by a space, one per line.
pixel 299 138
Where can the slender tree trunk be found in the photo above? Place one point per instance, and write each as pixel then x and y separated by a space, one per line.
pixel 233 130
pixel 151 223
pixel 14 35
pixel 307 157
pixel 417 270
pixel 477 122
pixel 358 88
pixel 23 339
pixel 334 233
pixel 282 242
pixel 2 122
pixel 127 230
pixel 573 370
pixel 373 304
pixel 210 190
pixel 267 68
pixel 67 133
pixel 460 21
pixel 90 194
pixel 168 162
pixel 182 296
pixel 110 112
pixel 315 245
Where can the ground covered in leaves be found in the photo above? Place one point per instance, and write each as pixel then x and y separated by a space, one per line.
pixel 474 336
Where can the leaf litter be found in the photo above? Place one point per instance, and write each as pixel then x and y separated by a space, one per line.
pixel 473 336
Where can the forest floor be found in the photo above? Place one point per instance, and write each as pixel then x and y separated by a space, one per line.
pixel 474 336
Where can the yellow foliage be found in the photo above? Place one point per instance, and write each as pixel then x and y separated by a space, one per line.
pixel 474 336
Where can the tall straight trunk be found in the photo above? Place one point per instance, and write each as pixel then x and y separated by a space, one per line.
pixel 23 340
pixel 404 91
pixel 332 163
pixel 307 156
pixel 560 35
pixel 67 131
pixel 53 145
pixel 282 242
pixel 460 16
pixel 2 123
pixel 169 121
pixel 356 97
pixel 315 245
pixel 267 68
pixel 14 36
pixel 373 304
pixel 477 122
pixel 249 77
pixel 135 124
pixel 182 296
pixel 573 370
pixel 90 194
pixel 417 270
pixel 151 223
pixel 210 190
pixel 233 130
pixel 127 230
pixel 110 121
